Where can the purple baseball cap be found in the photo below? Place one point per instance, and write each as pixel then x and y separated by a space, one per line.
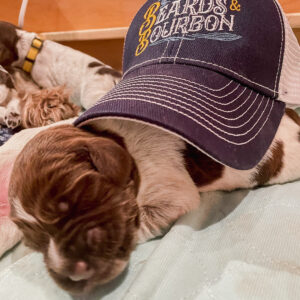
pixel 217 73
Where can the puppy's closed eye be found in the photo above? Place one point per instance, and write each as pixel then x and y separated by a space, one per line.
pixel 94 237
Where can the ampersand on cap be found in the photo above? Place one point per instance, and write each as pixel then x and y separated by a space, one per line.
pixel 235 5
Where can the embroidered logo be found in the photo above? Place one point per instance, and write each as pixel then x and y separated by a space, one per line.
pixel 188 20
pixel 146 28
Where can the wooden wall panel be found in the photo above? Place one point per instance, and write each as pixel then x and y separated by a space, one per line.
pixel 297 32
pixel 290 6
pixel 109 51
pixel 9 11
pixel 64 15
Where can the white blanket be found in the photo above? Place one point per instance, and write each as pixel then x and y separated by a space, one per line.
pixel 252 253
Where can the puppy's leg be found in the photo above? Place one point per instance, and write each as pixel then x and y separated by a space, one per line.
pixel 2 115
pixel 163 199
pixel 12 117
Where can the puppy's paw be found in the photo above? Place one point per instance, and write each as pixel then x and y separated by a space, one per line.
pixel 12 119
pixel 153 223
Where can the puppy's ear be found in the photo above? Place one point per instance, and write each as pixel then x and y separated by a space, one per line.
pixel 111 160
pixel 6 56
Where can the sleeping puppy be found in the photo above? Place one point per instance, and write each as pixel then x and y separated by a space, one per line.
pixel 58 65
pixel 46 106
pixel 86 196
pixel 23 103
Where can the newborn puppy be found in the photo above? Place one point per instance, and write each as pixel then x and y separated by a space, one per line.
pixel 86 196
pixel 46 106
pixel 23 103
pixel 39 107
pixel 87 229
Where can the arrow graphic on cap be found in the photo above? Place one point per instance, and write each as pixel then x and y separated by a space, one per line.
pixel 226 37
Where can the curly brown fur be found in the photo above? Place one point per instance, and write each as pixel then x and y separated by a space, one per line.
pixel 86 216
pixel 46 106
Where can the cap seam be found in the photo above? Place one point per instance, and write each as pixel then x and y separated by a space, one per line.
pixel 169 77
pixel 206 108
pixel 179 47
pixel 200 103
pixel 187 105
pixel 201 124
pixel 162 56
pixel 281 46
pixel 204 62
pixel 184 86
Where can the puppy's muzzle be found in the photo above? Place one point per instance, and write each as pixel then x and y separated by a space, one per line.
pixel 82 271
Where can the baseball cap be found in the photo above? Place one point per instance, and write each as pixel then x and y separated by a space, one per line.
pixel 217 73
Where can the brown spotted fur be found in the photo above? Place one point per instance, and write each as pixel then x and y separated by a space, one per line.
pixel 293 115
pixel 201 168
pixel 103 70
pixel 109 71
pixel 271 167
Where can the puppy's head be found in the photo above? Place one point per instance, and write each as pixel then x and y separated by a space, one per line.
pixel 46 106
pixel 8 42
pixel 73 195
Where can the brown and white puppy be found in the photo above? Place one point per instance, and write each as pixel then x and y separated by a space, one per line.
pixel 23 103
pixel 85 198
pixel 57 65
pixel 46 106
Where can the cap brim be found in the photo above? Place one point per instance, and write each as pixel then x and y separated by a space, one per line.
pixel 228 121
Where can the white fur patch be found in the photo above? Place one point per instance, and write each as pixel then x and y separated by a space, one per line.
pixel 55 259
pixel 20 213
pixel 4 90
pixel 2 115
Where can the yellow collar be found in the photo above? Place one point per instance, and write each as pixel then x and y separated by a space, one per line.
pixel 35 48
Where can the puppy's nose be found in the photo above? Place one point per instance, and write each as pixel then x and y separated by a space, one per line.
pixel 81 267
pixel 81 271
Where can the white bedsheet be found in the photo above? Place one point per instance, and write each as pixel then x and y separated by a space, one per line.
pixel 252 253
